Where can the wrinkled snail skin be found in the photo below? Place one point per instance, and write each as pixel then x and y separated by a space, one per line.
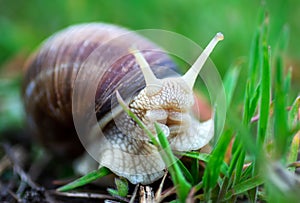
pixel 158 96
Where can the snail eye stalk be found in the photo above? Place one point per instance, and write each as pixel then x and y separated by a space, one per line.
pixel 149 76
pixel 191 75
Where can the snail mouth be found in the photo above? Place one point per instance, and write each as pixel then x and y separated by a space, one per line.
pixel 177 129
pixel 177 122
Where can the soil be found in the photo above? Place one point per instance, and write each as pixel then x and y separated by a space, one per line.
pixel 29 174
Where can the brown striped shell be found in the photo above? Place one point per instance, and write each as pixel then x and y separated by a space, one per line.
pixel 50 75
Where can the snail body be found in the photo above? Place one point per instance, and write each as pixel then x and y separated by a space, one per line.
pixel 145 73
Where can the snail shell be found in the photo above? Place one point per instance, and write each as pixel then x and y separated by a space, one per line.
pixel 48 87
pixel 50 76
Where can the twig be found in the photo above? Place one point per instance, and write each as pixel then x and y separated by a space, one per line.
pixel 167 193
pixel 21 188
pixel 294 164
pixel 87 195
pixel 4 163
pixel 14 195
pixel 17 168
pixel 158 192
pixel 134 194
pixel 190 198
pixel 7 190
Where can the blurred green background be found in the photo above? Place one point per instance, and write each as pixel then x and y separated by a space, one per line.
pixel 24 24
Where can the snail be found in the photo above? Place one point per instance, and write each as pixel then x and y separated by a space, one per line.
pixel 132 66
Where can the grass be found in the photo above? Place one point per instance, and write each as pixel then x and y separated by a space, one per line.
pixel 263 139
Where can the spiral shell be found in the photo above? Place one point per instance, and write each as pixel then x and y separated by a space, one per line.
pixel 52 70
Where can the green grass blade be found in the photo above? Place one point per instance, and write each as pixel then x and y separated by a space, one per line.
pixel 90 177
pixel 265 87
pixel 281 132
pixel 239 167
pixel 293 152
pixel 253 104
pixel 288 81
pixel 293 113
pixel 255 54
pixel 293 118
pixel 182 186
pixel 262 54
pixel 224 187
pixel 230 81
pixel 195 172
pixel 245 136
pixel 213 168
pixel 238 151
pixel 248 144
pixel 205 158
pixel 247 172
pixel 235 157
pixel 239 154
pixel 185 172
pixel 245 186
pixel 195 155
pixel 246 113
pixel 122 188
pixel 253 62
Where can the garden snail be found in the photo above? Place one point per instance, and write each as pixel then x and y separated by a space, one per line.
pixel 49 86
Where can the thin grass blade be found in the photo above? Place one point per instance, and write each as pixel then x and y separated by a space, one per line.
pixel 245 186
pixel 90 177
pixel 214 164
pixel 183 187
pixel 230 81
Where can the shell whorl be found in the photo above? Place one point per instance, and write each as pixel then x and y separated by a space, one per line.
pixel 52 70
